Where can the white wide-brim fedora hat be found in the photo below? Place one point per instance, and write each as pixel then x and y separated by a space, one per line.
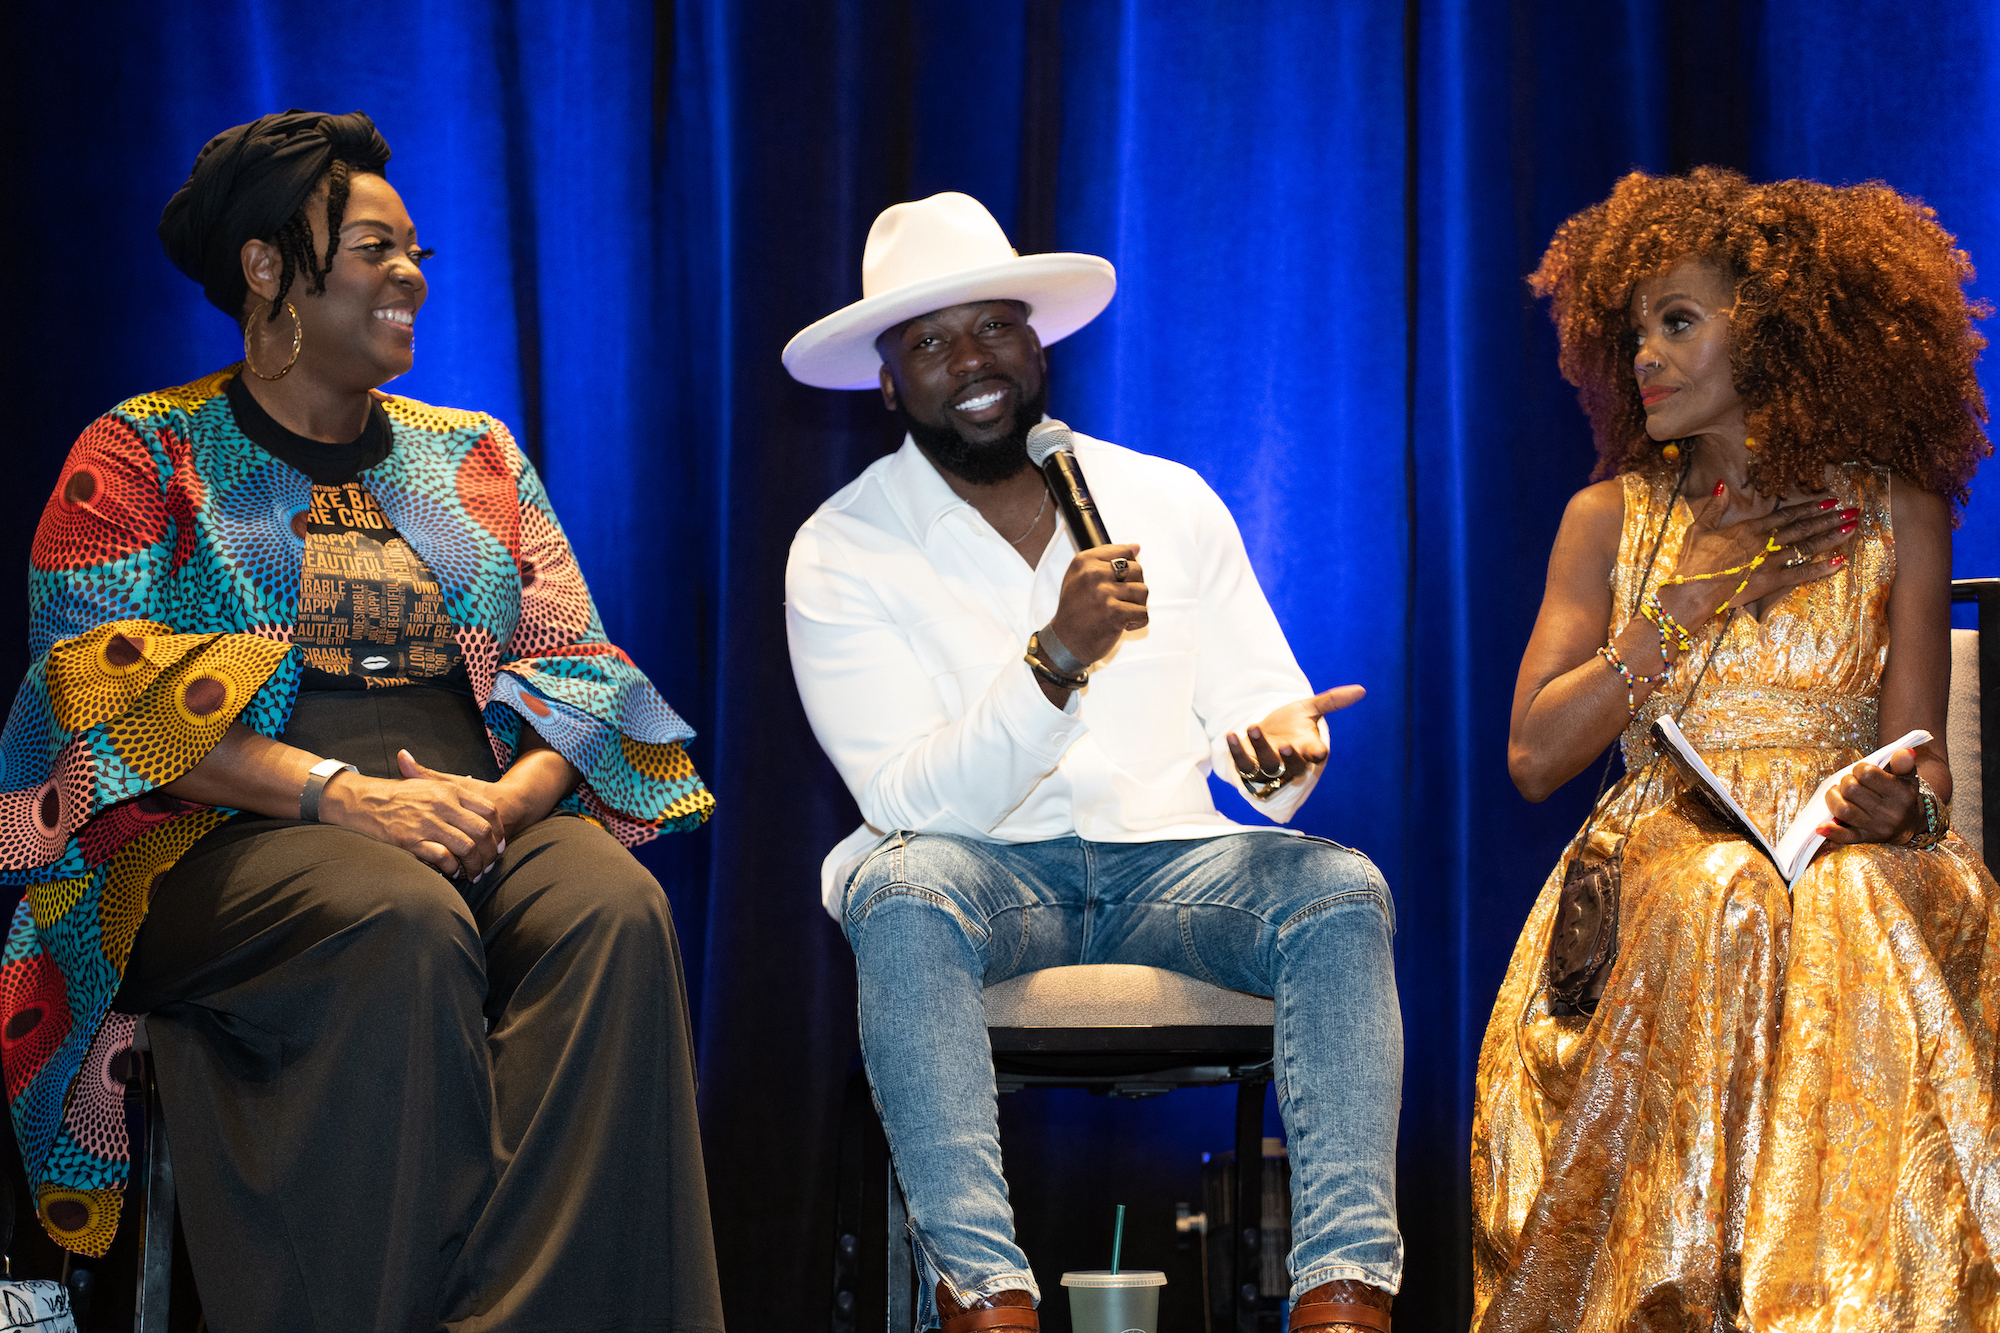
pixel 943 251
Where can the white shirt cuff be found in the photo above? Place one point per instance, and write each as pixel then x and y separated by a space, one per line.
pixel 1041 728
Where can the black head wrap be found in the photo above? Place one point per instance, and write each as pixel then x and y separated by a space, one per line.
pixel 248 182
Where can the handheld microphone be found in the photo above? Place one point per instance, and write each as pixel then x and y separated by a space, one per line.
pixel 1049 448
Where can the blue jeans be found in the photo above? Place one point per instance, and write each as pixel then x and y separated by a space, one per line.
pixel 934 918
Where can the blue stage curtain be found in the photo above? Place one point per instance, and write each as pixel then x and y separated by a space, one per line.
pixel 1321 216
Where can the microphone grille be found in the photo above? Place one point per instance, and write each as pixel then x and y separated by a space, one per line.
pixel 1048 437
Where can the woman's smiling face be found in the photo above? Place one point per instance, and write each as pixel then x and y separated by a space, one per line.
pixel 361 331
pixel 1680 339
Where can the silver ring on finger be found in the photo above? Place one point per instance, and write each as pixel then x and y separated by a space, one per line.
pixel 1269 775
pixel 1118 568
pixel 1799 557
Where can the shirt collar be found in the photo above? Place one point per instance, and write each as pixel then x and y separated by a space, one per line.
pixel 921 497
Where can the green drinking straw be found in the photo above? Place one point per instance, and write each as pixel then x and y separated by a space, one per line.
pixel 1117 1238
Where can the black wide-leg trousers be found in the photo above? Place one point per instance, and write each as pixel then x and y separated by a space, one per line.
pixel 356 1149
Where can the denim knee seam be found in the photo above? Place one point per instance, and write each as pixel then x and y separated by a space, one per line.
pixel 1186 915
pixel 1318 905
pixel 1020 940
pixel 978 937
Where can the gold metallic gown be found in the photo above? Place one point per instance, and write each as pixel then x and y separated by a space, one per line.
pixel 1781 1115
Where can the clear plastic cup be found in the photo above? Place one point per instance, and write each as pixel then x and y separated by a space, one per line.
pixel 1128 1301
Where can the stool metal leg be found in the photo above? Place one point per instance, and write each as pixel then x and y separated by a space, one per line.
pixel 1249 1200
pixel 156 1213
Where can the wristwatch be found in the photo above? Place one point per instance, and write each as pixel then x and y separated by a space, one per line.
pixel 322 773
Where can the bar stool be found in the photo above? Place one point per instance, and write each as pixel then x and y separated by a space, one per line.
pixel 1108 1027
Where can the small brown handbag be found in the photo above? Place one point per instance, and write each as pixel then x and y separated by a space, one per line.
pixel 1584 943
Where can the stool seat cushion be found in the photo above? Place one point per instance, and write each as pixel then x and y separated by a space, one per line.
pixel 1119 995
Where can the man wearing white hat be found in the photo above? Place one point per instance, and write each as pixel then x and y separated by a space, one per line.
pixel 1029 729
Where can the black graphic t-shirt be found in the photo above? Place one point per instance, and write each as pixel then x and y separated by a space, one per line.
pixel 370 610
pixel 371 613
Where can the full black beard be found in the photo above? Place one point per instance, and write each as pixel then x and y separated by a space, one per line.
pixel 978 464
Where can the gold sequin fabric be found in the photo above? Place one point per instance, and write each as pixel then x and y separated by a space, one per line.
pixel 1781 1115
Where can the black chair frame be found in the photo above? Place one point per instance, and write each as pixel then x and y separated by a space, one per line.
pixel 156 1205
pixel 1985 594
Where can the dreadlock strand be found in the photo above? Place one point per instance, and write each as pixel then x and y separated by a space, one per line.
pixel 336 207
pixel 294 260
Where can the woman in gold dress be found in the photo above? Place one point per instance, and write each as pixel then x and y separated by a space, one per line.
pixel 1780 1114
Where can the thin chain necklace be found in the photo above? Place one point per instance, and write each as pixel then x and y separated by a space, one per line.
pixel 1038 520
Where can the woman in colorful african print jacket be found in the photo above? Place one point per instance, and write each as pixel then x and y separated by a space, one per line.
pixel 316 681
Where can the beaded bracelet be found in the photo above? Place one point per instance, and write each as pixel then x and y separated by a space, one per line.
pixel 1937 818
pixel 1666 642
pixel 1632 682
pixel 1664 622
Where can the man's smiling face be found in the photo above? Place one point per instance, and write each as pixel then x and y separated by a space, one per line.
pixel 969 380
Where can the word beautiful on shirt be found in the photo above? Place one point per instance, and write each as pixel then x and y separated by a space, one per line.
pixel 369 607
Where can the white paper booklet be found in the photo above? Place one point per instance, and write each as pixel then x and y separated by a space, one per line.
pixel 1794 851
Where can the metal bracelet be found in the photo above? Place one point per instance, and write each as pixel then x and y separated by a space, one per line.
pixel 322 773
pixel 1061 660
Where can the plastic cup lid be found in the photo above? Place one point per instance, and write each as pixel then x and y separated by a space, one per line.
pixel 1104 1277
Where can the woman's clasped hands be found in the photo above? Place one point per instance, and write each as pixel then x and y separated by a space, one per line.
pixel 451 823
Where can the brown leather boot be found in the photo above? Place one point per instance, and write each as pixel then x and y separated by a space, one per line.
pixel 1003 1310
pixel 1345 1306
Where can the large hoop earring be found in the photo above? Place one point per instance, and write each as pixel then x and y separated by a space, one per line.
pixel 298 341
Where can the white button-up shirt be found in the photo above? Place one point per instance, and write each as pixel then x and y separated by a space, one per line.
pixel 909 616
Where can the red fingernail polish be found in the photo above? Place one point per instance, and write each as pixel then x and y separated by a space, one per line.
pixel 1846 528
pixel 1850 513
pixel 1720 488
pixel 1837 561
pixel 1828 504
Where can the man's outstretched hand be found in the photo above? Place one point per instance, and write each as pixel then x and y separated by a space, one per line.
pixel 1289 737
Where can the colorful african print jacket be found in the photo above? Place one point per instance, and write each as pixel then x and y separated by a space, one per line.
pixel 164 586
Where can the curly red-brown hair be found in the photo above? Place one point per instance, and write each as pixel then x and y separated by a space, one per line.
pixel 1852 339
